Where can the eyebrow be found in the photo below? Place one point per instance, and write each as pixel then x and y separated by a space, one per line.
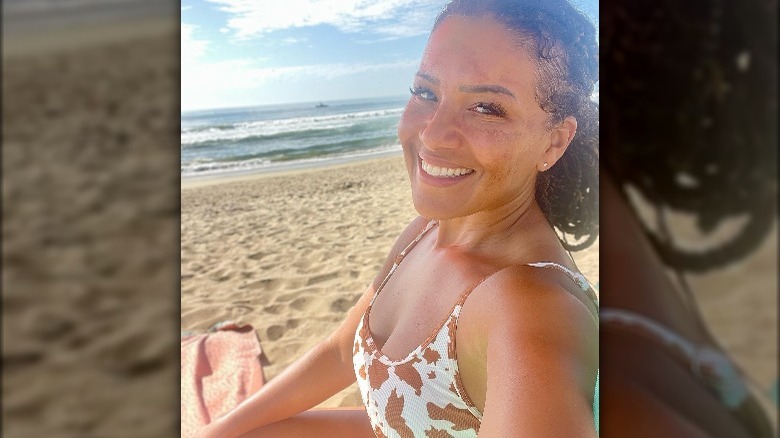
pixel 486 89
pixel 428 77
pixel 472 88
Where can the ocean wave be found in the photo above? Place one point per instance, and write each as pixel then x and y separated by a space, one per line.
pixel 212 134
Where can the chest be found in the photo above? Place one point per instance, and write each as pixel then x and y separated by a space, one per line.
pixel 418 298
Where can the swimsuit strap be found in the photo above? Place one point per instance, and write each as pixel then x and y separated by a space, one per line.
pixel 576 277
pixel 399 258
pixel 411 244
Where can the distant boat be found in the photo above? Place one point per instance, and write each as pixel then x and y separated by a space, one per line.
pixel 320 105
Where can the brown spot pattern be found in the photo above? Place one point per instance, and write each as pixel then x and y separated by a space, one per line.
pixel 362 371
pixel 410 375
pixel 364 334
pixel 437 433
pixel 378 432
pixel 395 406
pixel 431 355
pixel 382 378
pixel 377 374
pixel 451 334
pixel 461 419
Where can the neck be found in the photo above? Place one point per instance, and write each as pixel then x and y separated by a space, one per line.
pixel 491 227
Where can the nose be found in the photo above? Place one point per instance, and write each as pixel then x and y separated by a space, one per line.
pixel 441 130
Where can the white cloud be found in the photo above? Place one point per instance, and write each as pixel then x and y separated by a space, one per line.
pixel 393 18
pixel 191 47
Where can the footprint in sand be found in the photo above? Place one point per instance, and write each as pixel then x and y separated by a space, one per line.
pixel 320 278
pixel 269 284
pixel 274 332
pixel 301 303
pixel 274 309
pixel 239 310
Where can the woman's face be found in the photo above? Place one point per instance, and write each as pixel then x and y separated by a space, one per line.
pixel 473 134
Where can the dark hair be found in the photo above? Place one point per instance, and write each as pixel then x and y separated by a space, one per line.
pixel 566 50
pixel 692 100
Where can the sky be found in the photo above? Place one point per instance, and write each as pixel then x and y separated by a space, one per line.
pixel 257 52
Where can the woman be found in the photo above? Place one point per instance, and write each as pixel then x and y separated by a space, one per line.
pixel 479 313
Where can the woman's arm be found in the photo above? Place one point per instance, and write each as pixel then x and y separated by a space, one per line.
pixel 542 358
pixel 310 380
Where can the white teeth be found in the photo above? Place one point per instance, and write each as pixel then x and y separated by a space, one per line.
pixel 444 171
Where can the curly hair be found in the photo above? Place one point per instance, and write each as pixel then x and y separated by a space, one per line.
pixel 692 100
pixel 566 51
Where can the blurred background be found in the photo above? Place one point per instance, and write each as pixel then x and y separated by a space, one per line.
pixel 90 218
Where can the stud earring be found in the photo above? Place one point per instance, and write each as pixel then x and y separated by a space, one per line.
pixel 545 164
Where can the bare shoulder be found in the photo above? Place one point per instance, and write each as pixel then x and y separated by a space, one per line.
pixel 536 298
pixel 541 354
pixel 542 317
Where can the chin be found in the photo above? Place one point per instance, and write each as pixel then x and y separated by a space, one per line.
pixel 436 208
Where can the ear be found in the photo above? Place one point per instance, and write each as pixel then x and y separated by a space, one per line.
pixel 560 138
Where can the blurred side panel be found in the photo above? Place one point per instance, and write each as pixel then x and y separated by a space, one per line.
pixel 90 182
pixel 689 137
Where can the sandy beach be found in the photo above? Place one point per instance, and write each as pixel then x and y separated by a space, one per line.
pixel 291 253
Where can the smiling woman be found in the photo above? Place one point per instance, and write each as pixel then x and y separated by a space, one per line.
pixel 503 125
pixel 479 312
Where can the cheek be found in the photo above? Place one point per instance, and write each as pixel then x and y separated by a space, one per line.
pixel 504 154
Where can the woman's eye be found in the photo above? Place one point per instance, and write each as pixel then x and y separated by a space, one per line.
pixel 491 109
pixel 423 93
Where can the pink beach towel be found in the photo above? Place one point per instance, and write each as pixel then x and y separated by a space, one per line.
pixel 219 369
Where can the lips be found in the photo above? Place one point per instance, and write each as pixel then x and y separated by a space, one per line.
pixel 444 172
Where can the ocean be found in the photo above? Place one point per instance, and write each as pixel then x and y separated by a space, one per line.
pixel 273 136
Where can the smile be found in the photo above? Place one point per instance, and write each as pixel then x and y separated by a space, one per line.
pixel 446 172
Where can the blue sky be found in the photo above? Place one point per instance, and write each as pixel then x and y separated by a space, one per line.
pixel 257 52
